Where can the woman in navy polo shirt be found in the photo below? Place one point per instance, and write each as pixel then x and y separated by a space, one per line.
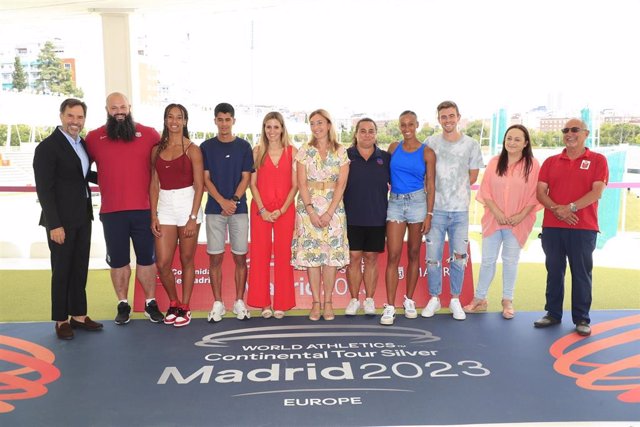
pixel 365 203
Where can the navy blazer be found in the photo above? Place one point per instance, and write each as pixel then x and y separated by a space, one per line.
pixel 60 183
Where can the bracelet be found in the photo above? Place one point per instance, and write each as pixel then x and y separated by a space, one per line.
pixel 261 210
pixel 430 213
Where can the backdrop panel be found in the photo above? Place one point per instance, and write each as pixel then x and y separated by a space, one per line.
pixel 202 298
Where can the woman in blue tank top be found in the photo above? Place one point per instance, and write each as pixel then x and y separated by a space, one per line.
pixel 413 167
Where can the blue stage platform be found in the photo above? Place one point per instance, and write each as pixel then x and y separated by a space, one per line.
pixel 349 372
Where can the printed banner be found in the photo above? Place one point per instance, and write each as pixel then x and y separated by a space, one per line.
pixel 202 297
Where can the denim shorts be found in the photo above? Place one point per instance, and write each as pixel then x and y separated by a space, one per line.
pixel 410 208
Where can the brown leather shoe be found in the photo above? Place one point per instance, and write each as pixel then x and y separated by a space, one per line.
pixel 87 325
pixel 64 331
pixel 546 321
pixel 583 328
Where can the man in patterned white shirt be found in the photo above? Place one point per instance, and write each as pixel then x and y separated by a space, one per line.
pixel 458 161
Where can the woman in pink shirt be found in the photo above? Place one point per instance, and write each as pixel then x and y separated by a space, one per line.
pixel 508 193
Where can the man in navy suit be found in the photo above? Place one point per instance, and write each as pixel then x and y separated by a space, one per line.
pixel 61 168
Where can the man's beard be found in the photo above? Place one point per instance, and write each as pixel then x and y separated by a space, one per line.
pixel 124 130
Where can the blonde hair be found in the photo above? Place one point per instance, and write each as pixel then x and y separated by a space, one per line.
pixel 263 145
pixel 333 137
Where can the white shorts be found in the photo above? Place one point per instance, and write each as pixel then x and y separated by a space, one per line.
pixel 174 206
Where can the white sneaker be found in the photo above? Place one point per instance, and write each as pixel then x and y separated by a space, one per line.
pixel 240 310
pixel 432 306
pixel 352 307
pixel 388 315
pixel 369 307
pixel 410 311
pixel 456 309
pixel 216 313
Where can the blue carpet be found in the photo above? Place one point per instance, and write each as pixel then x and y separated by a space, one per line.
pixel 349 372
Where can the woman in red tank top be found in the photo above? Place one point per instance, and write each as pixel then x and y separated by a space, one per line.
pixel 177 182
pixel 273 186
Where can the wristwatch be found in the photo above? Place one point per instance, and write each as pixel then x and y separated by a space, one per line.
pixel 193 217
pixel 573 208
pixel 235 199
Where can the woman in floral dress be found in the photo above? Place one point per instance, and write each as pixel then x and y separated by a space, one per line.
pixel 320 239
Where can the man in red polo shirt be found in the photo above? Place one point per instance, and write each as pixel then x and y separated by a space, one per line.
pixel 569 186
pixel 121 150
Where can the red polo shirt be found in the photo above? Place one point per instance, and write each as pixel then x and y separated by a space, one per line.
pixel 124 168
pixel 570 179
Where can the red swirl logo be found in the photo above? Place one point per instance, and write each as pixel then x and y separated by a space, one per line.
pixel 616 375
pixel 29 358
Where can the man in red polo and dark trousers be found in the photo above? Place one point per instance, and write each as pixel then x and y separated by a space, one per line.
pixel 569 186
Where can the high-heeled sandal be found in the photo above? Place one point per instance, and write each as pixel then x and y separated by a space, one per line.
pixel 329 316
pixel 314 316
pixel 278 314
pixel 266 312
pixel 476 306
pixel 507 309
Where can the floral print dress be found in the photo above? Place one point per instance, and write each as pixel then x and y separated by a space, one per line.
pixel 311 246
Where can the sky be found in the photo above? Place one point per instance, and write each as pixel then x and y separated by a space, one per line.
pixel 380 57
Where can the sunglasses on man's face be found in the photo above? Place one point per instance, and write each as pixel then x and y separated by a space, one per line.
pixel 574 129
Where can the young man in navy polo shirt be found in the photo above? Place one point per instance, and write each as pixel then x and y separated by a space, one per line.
pixel 228 163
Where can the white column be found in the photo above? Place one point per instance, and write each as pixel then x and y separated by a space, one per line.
pixel 116 40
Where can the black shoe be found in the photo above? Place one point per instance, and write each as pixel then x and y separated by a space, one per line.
pixel 152 312
pixel 124 310
pixel 583 328
pixel 545 321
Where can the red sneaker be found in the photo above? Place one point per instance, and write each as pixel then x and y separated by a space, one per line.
pixel 172 313
pixel 183 317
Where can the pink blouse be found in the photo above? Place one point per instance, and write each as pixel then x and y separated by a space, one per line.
pixel 511 194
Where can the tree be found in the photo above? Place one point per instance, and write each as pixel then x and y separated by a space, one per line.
pixel 545 139
pixel 19 76
pixel 19 133
pixel 474 129
pixel 425 132
pixel 54 78
pixel 619 133
pixel 389 133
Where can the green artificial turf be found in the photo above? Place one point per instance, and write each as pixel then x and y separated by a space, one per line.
pixel 25 294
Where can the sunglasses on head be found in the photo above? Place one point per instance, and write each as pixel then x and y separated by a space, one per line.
pixel 574 129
